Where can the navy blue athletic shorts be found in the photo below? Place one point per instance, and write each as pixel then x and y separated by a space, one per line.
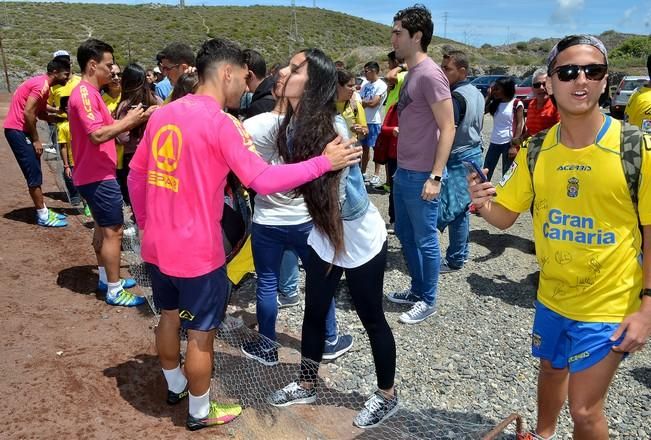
pixel 201 301
pixel 105 201
pixel 26 157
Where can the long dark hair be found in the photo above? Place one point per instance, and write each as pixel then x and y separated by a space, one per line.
pixel 507 85
pixel 312 125
pixel 135 90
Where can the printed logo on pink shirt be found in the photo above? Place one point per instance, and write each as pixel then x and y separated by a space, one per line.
pixel 166 149
pixel 88 108
pixel 246 137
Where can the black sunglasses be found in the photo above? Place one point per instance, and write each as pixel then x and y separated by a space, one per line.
pixel 538 85
pixel 570 72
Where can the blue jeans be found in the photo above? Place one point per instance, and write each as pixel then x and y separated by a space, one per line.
pixel 458 250
pixel 493 156
pixel 455 200
pixel 416 229
pixel 288 278
pixel 268 244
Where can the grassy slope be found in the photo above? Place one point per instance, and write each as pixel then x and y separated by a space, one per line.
pixel 33 31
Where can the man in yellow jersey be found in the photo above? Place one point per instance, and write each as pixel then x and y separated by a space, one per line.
pixel 594 303
pixel 638 109
pixel 57 104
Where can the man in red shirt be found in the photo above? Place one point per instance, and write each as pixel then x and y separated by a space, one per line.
pixel 28 103
pixel 542 113
pixel 93 131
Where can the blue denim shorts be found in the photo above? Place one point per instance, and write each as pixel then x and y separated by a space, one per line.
pixel 25 154
pixel 567 343
pixel 105 201
pixel 371 137
pixel 201 301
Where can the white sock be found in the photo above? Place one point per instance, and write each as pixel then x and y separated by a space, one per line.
pixel 176 381
pixel 42 213
pixel 114 289
pixel 199 406
pixel 102 274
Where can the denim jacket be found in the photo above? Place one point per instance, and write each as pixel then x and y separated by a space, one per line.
pixel 353 198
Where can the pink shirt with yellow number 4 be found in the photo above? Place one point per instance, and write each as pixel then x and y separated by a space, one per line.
pixel 187 150
pixel 87 113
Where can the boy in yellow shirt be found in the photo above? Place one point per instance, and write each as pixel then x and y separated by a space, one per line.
pixel 594 296
pixel 638 109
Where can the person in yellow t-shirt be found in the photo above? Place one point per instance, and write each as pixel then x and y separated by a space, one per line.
pixel 113 92
pixel 395 77
pixel 351 111
pixel 638 109
pixel 594 296
pixel 57 105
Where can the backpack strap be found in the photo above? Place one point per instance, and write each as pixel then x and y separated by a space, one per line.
pixel 534 145
pixel 630 152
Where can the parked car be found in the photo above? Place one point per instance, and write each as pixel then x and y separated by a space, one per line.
pixel 623 93
pixel 524 91
pixel 484 82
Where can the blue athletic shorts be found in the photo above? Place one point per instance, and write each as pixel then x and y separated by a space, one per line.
pixel 105 201
pixel 570 344
pixel 201 301
pixel 23 149
pixel 371 137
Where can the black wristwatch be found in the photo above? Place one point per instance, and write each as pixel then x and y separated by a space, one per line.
pixel 645 292
pixel 434 177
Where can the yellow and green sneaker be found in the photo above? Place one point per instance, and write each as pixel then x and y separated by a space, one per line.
pixel 219 414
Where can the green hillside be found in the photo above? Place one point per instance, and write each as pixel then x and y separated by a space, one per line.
pixel 31 32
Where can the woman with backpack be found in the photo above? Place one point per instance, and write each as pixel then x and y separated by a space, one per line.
pixel 508 123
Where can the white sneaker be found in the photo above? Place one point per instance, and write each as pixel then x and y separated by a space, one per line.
pixel 374 181
pixel 419 312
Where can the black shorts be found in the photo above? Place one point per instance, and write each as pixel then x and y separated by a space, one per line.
pixel 201 301
pixel 26 157
pixel 105 201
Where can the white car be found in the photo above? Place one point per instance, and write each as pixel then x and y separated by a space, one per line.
pixel 624 91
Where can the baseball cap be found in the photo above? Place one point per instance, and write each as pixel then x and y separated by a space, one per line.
pixel 573 40
pixel 61 53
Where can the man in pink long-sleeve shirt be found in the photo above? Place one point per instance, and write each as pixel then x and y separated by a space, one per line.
pixel 176 186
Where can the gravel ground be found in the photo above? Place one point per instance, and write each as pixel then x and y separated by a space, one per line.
pixel 471 363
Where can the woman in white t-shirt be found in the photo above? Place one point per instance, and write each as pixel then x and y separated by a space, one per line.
pixel 281 223
pixel 348 236
pixel 508 122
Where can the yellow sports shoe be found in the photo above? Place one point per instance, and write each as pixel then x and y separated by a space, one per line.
pixel 219 414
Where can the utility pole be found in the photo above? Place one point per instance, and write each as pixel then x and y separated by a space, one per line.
pixel 445 24
pixel 181 4
pixel 293 29
pixel 4 65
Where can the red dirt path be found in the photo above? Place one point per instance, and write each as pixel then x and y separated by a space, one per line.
pixel 73 367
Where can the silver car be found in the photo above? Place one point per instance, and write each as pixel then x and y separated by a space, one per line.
pixel 624 91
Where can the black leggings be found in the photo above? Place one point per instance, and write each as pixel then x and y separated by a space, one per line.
pixel 365 284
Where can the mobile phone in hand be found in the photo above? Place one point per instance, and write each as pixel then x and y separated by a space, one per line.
pixel 472 167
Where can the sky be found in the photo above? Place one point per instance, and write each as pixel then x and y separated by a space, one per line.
pixel 476 22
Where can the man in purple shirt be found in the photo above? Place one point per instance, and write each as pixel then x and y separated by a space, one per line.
pixel 426 132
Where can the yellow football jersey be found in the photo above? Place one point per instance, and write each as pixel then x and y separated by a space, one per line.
pixel 638 109
pixel 588 243
pixel 111 103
